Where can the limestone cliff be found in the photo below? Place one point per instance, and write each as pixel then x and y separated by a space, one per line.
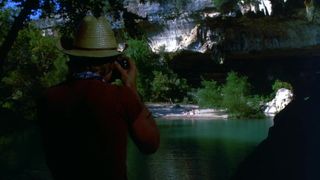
pixel 199 26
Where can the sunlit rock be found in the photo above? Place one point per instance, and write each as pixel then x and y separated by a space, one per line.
pixel 196 25
pixel 190 38
pixel 282 99
pixel 173 21
pixel 195 28
pixel 259 5
pixel 312 10
pixel 166 7
pixel 210 14
pixel 142 9
pixel 173 32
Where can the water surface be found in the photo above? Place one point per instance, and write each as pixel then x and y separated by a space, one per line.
pixel 199 149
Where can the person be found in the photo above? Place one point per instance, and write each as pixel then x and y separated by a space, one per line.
pixel 85 120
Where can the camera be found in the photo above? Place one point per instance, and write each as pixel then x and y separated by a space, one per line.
pixel 123 61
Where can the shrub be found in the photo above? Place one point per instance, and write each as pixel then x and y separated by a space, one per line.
pixel 234 96
pixel 281 84
pixel 209 96
pixel 168 87
pixel 34 63
pixel 237 98
pixel 6 22
pixel 141 53
pixel 156 81
pixel 234 93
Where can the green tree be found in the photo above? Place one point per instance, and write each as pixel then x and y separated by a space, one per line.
pixel 168 87
pixel 281 84
pixel 156 81
pixel 72 11
pixel 18 23
pixel 34 63
pixel 6 21
pixel 234 96
pixel 235 93
pixel 237 98
pixel 209 96
pixel 141 53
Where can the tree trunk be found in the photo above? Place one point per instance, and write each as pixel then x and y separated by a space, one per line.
pixel 18 24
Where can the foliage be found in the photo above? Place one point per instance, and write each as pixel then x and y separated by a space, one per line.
pixel 156 81
pixel 73 11
pixel 234 96
pixel 209 95
pixel 235 93
pixel 33 63
pixel 168 87
pixel 5 23
pixel 238 99
pixel 140 52
pixel 18 24
pixel 281 84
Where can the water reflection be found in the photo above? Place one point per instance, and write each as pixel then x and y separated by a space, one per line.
pixel 198 149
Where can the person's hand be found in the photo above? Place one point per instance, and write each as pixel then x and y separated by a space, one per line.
pixel 128 76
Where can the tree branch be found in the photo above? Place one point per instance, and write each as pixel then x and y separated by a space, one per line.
pixel 18 24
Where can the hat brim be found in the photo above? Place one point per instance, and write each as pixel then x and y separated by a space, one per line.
pixel 88 53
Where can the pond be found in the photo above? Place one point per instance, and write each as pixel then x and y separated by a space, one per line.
pixel 199 149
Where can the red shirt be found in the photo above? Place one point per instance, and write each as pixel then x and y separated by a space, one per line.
pixel 85 124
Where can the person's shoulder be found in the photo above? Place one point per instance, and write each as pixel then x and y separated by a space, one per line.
pixel 94 88
pixel 126 91
pixel 76 86
pixel 54 89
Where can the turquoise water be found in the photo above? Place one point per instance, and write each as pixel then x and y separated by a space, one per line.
pixel 200 149
pixel 189 150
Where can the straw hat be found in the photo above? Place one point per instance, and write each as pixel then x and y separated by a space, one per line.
pixel 94 38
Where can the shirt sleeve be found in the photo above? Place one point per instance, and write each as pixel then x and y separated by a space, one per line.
pixel 131 103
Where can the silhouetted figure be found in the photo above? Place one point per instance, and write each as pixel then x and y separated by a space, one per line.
pixel 85 121
pixel 292 148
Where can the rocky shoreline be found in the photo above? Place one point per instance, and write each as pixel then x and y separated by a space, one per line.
pixel 185 112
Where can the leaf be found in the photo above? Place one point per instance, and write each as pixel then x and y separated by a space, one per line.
pixel 7 105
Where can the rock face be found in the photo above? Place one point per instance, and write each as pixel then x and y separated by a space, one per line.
pixel 312 10
pixel 282 99
pixel 198 26
pixel 268 34
pixel 172 22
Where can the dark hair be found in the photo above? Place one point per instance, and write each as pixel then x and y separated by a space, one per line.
pixel 90 61
pixel 78 64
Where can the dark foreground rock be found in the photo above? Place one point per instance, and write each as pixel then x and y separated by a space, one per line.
pixel 291 150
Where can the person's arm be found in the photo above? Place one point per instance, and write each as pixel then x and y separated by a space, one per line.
pixel 144 132
pixel 143 128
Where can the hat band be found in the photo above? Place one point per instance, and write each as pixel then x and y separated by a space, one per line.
pixel 93 49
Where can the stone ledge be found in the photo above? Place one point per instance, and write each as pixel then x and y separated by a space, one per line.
pixel 186 112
